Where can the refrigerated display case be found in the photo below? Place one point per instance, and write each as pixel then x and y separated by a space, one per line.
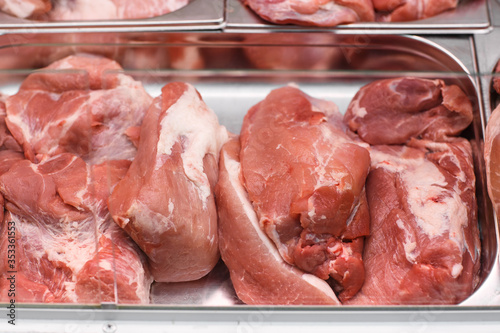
pixel 234 64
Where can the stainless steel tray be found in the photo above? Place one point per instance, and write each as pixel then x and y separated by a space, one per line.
pixel 197 15
pixel 471 16
pixel 328 66
pixel 494 9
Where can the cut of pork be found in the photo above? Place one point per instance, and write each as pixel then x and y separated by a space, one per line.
pixel 327 13
pixel 410 107
pixel 410 10
pixel 81 104
pixel 305 177
pixel 496 78
pixel 492 158
pixel 7 141
pixel 25 8
pixel 258 273
pixel 166 201
pixel 75 10
pixel 424 245
pixel 68 249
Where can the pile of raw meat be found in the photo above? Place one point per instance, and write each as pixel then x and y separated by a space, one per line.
pixel 74 10
pixel 330 13
pixel 110 189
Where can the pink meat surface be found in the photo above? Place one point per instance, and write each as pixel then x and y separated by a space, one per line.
pixel 166 201
pixel 7 141
pixel 258 273
pixel 305 177
pixel 65 10
pixel 81 104
pixel 68 249
pixel 325 13
pixel 424 245
pixel 410 10
pixel 392 111
pixel 492 158
pixel 25 8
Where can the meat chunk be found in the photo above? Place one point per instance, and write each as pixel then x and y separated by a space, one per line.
pixel 424 244
pixel 410 107
pixel 81 104
pixel 258 273
pixel 25 8
pixel 492 158
pixel 68 249
pixel 112 9
pixel 410 10
pixel 305 177
pixel 7 141
pixel 166 201
pixel 326 13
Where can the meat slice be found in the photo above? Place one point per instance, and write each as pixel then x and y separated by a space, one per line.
pixel 326 13
pixel 76 10
pixel 305 177
pixel 25 8
pixel 410 107
pixel 424 244
pixel 68 249
pixel 258 273
pixel 410 10
pixel 81 104
pixel 166 201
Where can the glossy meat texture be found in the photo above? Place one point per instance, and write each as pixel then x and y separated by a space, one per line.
pixel 81 105
pixel 492 158
pixel 68 249
pixel 410 10
pixel 410 107
pixel 7 141
pixel 75 10
pixel 305 177
pixel 25 8
pixel 166 201
pixel 424 245
pixel 325 13
pixel 258 273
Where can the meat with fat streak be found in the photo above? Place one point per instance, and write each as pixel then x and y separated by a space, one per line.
pixel 25 8
pixel 68 249
pixel 166 201
pixel 424 245
pixel 81 104
pixel 410 10
pixel 258 273
pixel 326 13
pixel 305 175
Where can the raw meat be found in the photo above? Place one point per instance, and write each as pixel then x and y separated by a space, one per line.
pixel 424 244
pixel 68 249
pixel 258 273
pixel 166 201
pixel 326 13
pixel 112 9
pixel 410 10
pixel 81 104
pixel 7 141
pixel 305 177
pixel 492 158
pixel 410 107
pixel 25 8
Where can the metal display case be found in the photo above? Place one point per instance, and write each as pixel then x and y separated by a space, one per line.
pixel 236 59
